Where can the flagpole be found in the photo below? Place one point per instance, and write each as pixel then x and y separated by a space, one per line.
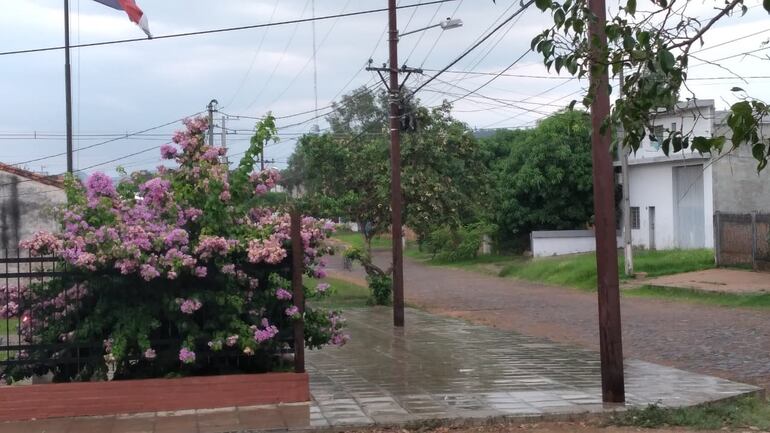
pixel 68 83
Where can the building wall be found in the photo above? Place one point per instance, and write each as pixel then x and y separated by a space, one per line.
pixel 561 242
pixel 738 188
pixel 694 122
pixel 25 208
pixel 653 185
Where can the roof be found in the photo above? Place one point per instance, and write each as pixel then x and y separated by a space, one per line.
pixel 56 181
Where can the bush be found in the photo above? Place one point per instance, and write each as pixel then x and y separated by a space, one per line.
pixel 382 289
pixel 454 244
pixel 380 282
pixel 175 273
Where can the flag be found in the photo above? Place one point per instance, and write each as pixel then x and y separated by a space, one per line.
pixel 134 13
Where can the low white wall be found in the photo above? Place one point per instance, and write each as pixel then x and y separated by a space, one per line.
pixel 560 242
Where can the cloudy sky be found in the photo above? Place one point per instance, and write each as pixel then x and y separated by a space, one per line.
pixel 120 89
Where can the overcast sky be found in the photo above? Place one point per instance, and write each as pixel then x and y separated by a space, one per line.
pixel 125 88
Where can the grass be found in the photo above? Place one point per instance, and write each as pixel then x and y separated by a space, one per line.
pixel 579 270
pixel 745 413
pixel 356 240
pixel 732 300
pixel 344 294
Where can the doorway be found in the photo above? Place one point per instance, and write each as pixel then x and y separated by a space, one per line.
pixel 651 210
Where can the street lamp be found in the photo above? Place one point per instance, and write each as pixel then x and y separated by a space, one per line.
pixel 447 24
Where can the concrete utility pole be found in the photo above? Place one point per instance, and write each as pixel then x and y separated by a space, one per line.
pixel 212 108
pixel 610 337
pixel 395 170
pixel 224 160
pixel 626 205
pixel 68 84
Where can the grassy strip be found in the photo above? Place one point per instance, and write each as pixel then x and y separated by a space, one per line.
pixel 356 240
pixel 579 270
pixel 343 294
pixel 747 413
pixel 733 300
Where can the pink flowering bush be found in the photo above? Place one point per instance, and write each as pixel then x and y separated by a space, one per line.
pixel 174 272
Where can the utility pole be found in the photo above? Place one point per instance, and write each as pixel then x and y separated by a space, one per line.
pixel 626 204
pixel 395 170
pixel 225 160
pixel 212 108
pixel 610 336
pixel 68 83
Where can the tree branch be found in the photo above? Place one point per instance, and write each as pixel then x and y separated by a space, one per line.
pixel 688 43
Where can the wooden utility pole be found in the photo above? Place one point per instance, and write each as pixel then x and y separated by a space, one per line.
pixel 610 336
pixel 395 170
pixel 68 84
pixel 298 293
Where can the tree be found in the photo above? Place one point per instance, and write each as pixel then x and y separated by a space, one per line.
pixel 654 48
pixel 543 177
pixel 346 172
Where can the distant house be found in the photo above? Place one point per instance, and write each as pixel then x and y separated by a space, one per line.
pixel 673 198
pixel 26 202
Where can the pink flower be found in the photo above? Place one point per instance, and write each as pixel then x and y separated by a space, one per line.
pixel 268 251
pixel 292 311
pixel 231 340
pixel 99 185
pixel 189 306
pixel 228 269
pixel 322 288
pixel 201 272
pixel 42 243
pixel 210 246
pixel 261 189
pixel 186 355
pixel 148 272
pixel 224 196
pixel 267 332
pixel 283 294
pixel 168 151
pixel 149 354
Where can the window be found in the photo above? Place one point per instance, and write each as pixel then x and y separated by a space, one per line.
pixel 657 136
pixel 635 223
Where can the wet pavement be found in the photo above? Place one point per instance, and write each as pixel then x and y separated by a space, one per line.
pixel 443 368
pixel 727 342
pixel 436 369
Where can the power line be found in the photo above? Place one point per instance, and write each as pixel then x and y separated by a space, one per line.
pixel 222 30
pixel 476 45
pixel 280 60
pixel 106 141
pixel 254 59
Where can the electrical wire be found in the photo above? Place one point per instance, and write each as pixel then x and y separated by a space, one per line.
pixel 220 30
pixel 524 6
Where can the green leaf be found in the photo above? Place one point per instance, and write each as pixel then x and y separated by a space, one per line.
pixel 543 5
pixel 572 104
pixel 559 63
pixel 558 17
pixel 631 7
pixel 643 38
pixel 736 89
pixel 766 5
pixel 667 60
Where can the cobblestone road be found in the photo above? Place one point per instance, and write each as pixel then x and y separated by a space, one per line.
pixel 733 343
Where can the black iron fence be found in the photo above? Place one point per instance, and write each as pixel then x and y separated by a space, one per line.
pixel 742 240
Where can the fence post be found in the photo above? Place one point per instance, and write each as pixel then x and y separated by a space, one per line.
pixel 297 268
pixel 754 240
pixel 717 239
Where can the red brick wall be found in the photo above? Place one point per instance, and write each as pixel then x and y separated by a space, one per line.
pixel 152 395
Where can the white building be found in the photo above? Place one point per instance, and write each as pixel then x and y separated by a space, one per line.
pixel 673 198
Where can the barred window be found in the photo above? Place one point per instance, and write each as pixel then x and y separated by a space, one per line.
pixel 635 223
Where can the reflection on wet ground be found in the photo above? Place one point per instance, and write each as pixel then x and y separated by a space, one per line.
pixel 435 369
pixel 441 368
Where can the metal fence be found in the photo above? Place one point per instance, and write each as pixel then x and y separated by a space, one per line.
pixel 742 240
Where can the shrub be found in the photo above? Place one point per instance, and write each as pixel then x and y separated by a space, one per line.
pixel 454 244
pixel 380 282
pixel 176 273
